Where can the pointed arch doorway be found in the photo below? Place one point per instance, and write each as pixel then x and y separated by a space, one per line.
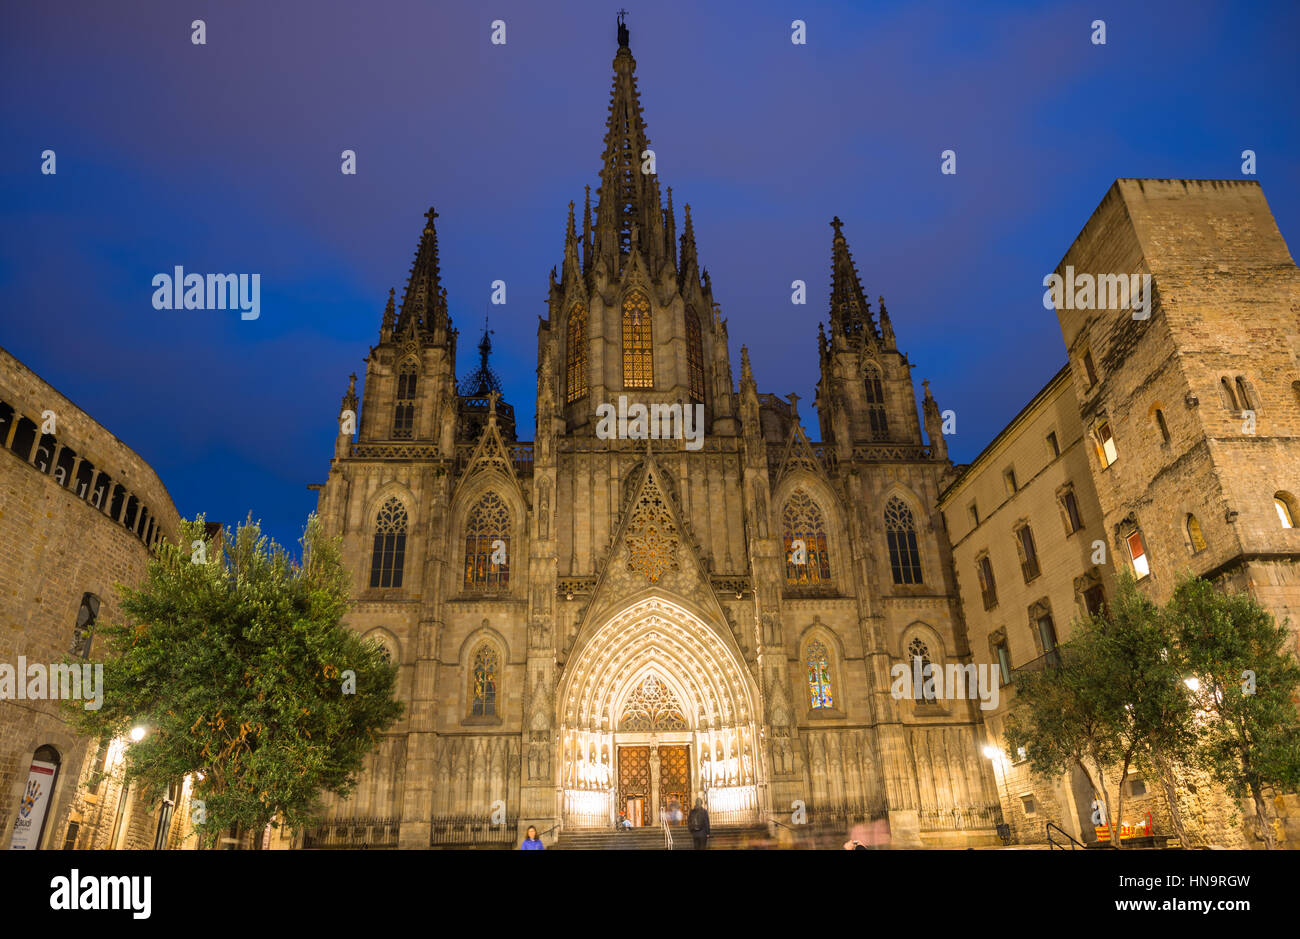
pixel 655 710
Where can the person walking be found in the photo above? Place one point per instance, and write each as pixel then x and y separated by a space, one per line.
pixel 531 841
pixel 698 823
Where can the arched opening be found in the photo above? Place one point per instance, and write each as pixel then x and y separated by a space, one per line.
pixel 34 804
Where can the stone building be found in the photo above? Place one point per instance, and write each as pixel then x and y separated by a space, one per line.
pixel 79 511
pixel 613 619
pixel 1167 444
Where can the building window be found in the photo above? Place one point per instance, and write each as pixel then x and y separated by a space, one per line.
pixel 388 554
pixel 1094 600
pixel 695 356
pixel 404 409
pixel 1004 661
pixel 1194 534
pixel 819 676
pixel 1028 552
pixel 1052 446
pixel 1284 502
pixel 1243 398
pixel 917 649
pixel 484 675
pixel 1295 390
pixel 1009 481
pixel 1027 803
pixel 1137 551
pixel 1137 786
pixel 974 513
pixel 1106 451
pixel 487 544
pixel 576 356
pixel 807 563
pixel 900 532
pixel 988 587
pixel 1047 636
pixel 638 342
pixel 83 633
pixel 1225 392
pixel 1070 505
pixel 1160 424
pixel 1089 368
pixel 876 404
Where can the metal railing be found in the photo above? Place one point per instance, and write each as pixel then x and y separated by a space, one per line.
pixel 472 830
pixel 354 833
pixel 1055 845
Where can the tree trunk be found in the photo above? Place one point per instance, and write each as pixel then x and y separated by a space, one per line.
pixel 1166 773
pixel 1261 817
pixel 1116 837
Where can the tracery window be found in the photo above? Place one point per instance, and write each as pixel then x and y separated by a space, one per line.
pixel 487 544
pixel 917 649
pixel 695 355
pixel 807 560
pixel 876 404
pixel 577 354
pixel 652 705
pixel 404 409
pixel 900 532
pixel 638 346
pixel 390 545
pixel 819 676
pixel 483 679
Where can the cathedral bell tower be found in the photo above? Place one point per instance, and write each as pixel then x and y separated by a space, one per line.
pixel 865 394
pixel 630 311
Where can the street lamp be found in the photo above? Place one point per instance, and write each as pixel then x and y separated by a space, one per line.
pixel 137 734
pixel 994 754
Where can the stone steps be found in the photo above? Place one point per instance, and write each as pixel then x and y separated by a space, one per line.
pixel 652 839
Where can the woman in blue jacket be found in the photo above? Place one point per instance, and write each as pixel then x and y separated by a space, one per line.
pixel 531 841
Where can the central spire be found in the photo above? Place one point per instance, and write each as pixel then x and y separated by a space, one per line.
pixel 850 311
pixel 629 187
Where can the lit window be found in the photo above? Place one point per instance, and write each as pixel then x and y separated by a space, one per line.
pixel 576 356
pixel 917 649
pixel 694 356
pixel 819 676
pixel 487 543
pixel 1194 534
pixel 638 345
pixel 1106 444
pixel 802 520
pixel 484 677
pixel 1137 551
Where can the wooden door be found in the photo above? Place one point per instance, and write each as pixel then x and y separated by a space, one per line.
pixel 634 779
pixel 674 781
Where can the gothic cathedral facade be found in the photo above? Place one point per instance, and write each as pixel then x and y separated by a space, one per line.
pixel 588 625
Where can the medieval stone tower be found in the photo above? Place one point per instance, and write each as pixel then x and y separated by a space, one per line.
pixel 588 625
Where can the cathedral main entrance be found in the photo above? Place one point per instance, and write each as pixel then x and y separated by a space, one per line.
pixel 655 711
pixel 654 782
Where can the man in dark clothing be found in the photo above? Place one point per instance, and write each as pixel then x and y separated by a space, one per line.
pixel 698 823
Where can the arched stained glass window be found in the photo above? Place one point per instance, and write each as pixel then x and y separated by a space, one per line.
pixel 876 404
pixel 819 676
pixel 638 342
pixel 900 531
pixel 487 544
pixel 404 409
pixel 652 705
pixel 576 357
pixel 390 545
pixel 807 560
pixel 917 649
pixel 484 681
pixel 695 355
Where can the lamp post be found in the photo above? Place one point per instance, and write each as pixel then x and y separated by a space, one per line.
pixel 994 754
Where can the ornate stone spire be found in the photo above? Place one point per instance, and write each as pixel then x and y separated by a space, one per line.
pixel 850 312
pixel 424 305
pixel 886 328
pixel 390 313
pixel 586 232
pixel 934 424
pixel 688 262
pixel 628 196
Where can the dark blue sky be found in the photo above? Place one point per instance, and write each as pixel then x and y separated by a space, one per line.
pixel 225 158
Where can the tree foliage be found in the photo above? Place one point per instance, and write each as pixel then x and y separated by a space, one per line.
pixel 235 660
